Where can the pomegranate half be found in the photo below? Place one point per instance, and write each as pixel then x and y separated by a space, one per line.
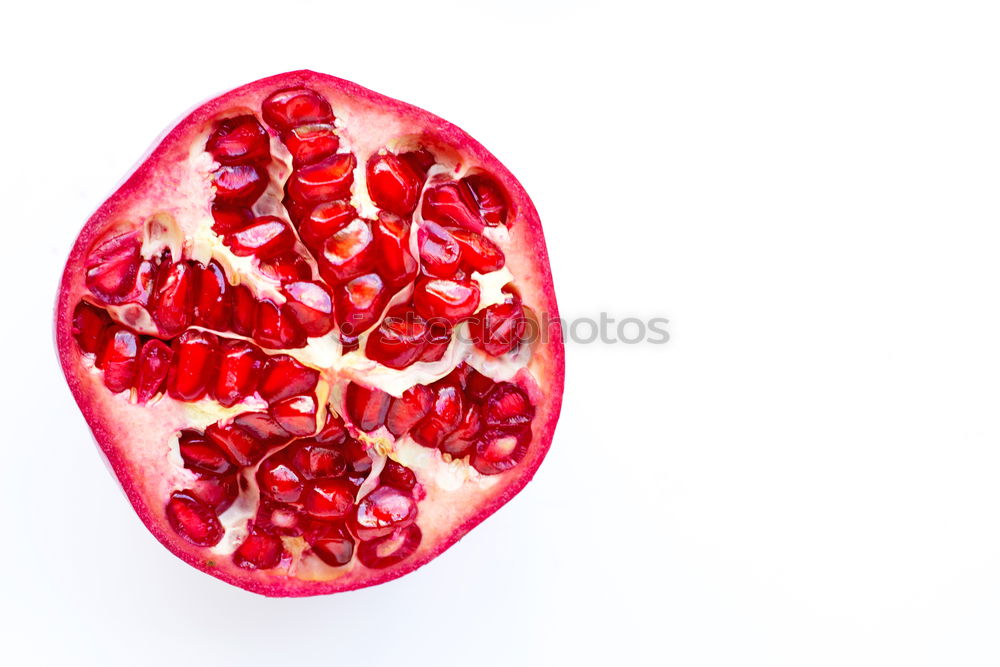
pixel 315 335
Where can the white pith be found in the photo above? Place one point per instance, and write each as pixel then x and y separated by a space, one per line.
pixel 187 232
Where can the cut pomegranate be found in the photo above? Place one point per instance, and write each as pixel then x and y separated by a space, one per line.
pixel 283 334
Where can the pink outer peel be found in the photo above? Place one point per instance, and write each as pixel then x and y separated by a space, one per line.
pixel 131 436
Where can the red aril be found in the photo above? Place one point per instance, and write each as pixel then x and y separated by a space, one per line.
pixel 239 140
pixel 393 184
pixel 325 180
pixel 310 143
pixel 266 236
pixel 297 332
pixel 259 551
pixel 154 365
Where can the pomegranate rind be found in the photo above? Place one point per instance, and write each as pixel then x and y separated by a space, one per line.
pixel 131 437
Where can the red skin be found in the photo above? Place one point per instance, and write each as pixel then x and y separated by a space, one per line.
pixel 112 421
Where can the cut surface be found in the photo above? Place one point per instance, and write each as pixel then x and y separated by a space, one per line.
pixel 299 334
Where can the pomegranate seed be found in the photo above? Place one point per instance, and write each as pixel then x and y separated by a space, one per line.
pixel 194 366
pixel 310 143
pixel 382 511
pixel 398 476
pixel 112 265
pixel 296 414
pixel 324 221
pixel 392 243
pixel 393 184
pixel 459 443
pixel 409 409
pixel 239 366
pixel 439 251
pixel 201 455
pixel 358 305
pixel 238 443
pixel 334 432
pixel 244 310
pixel 451 204
pixel 507 405
pixel 329 499
pixel 326 180
pixel 498 329
pixel 315 461
pixel 212 302
pixel 259 551
pixel 89 324
pixel 420 160
pixel 276 327
pixel 117 358
pixel 478 252
pixel 442 419
pixel 498 450
pixel 239 185
pixel 263 427
pixel 192 520
pixel 280 518
pixel 284 376
pixel 390 550
pixel 366 407
pixel 311 304
pixel 230 219
pixel 332 544
pixel 154 364
pixel 399 339
pixel 348 252
pixel 279 481
pixel 286 267
pixel 218 492
pixel 359 463
pixel 472 203
pixel 173 297
pixel 267 236
pixel 239 140
pixel 144 280
pixel 457 377
pixel 288 108
pixel 450 300
pixel 437 341
pixel 477 385
pixel 489 198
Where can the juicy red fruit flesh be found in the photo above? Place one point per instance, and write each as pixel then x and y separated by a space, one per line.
pixel 269 319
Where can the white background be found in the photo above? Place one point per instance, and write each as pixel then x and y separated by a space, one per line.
pixel 807 474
